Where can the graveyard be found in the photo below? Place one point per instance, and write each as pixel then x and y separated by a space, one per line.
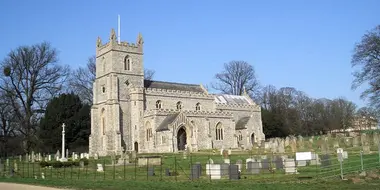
pixel 276 161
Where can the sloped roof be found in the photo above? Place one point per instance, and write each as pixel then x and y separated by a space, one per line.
pixel 242 123
pixel 168 120
pixel 173 86
pixel 232 99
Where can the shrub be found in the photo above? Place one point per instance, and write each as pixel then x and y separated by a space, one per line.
pixel 44 164
pixel 56 164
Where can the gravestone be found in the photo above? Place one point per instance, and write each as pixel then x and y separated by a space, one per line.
pixel 15 167
pixel 7 162
pixel 210 161
pixel 264 164
pixel 224 169
pixel 151 171
pixel 325 161
pixel 167 172
pixel 279 162
pixel 214 171
pixel 233 172
pixel 345 155
pixel 355 141
pixel 301 163
pixel 49 157
pixel 227 161
pixel 81 164
pixel 366 149
pixel 290 166
pixel 195 171
pixel 314 159
pixel 200 168
pixel 253 167
pixel 99 168
pixel 239 163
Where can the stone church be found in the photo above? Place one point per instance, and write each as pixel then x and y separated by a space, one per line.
pixel 131 113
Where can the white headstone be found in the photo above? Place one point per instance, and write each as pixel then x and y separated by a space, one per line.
pixel 214 170
pixel 99 168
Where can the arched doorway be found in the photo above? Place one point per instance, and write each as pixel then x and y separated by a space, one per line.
pixel 181 139
pixel 136 146
pixel 253 138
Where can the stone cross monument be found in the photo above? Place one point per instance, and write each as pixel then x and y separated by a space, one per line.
pixel 63 159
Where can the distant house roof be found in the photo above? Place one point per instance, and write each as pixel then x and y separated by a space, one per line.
pixel 242 123
pixel 173 86
pixel 231 99
pixel 168 120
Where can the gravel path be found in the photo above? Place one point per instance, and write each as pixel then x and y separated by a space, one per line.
pixel 14 186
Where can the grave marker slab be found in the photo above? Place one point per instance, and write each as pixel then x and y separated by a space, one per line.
pixel 214 171
pixel 233 172
pixel 265 164
pixel 151 171
pixel 253 167
pixel 99 168
pixel 195 171
pixel 290 166
pixel 325 160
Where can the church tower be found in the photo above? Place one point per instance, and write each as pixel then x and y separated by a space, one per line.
pixel 119 71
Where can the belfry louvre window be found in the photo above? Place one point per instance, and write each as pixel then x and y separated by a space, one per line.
pixel 158 104
pixel 198 107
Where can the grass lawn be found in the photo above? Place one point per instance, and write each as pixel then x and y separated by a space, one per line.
pixel 242 184
pixel 134 177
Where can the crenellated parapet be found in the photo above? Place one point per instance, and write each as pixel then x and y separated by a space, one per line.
pixel 124 46
pixel 253 107
pixel 177 93
pixel 164 112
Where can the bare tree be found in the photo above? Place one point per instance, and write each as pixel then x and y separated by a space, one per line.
pixel 367 57
pixel 148 74
pixel 82 80
pixel 30 79
pixel 237 76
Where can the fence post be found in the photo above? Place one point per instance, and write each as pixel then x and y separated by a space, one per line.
pixel 175 167
pixel 340 158
pixel 361 159
pixel 135 167
pixel 161 167
pixel 147 168
pixel 378 150
pixel 124 169
pixel 113 163
pixel 191 167
pixel 104 169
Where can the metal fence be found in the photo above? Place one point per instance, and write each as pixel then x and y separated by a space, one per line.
pixel 263 167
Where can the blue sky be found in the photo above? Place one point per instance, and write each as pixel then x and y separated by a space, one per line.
pixel 297 43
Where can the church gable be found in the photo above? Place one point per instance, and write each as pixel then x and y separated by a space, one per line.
pixel 172 120
pixel 242 123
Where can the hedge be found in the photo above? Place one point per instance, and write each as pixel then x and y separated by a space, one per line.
pixel 59 164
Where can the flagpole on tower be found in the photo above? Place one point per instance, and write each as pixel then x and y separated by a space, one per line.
pixel 118 29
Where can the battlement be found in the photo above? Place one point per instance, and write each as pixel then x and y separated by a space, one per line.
pixel 154 112
pixel 113 44
pixel 160 91
pixel 253 107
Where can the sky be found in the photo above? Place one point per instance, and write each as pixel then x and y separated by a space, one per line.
pixel 295 43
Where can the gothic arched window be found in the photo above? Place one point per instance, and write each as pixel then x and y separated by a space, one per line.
pixel 219 131
pixel 127 63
